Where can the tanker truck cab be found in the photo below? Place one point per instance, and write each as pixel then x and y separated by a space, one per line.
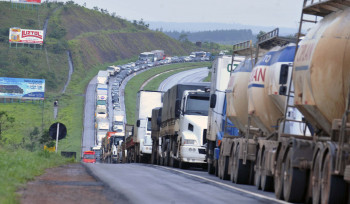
pixel 193 127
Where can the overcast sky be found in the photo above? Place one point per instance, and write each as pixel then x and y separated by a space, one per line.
pixel 278 13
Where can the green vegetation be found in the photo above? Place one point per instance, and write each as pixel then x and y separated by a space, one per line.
pixel 208 78
pixel 19 166
pixel 136 82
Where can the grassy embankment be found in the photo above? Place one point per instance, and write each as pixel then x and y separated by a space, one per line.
pixel 19 166
pixel 135 83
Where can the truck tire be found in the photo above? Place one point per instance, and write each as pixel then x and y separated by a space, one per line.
pixel 216 167
pixel 210 157
pixel 266 180
pixel 257 176
pixel 183 165
pixel 241 171
pixel 316 179
pixel 295 181
pixel 278 177
pixel 334 188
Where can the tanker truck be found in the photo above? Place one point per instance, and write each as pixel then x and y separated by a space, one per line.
pixel 321 78
pixel 184 125
pixel 220 74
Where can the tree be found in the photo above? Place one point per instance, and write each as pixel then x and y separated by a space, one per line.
pixel 6 122
pixel 183 37
pixel 261 33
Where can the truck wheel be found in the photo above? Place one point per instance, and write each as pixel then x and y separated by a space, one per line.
pixel 266 180
pixel 257 176
pixel 216 167
pixel 211 168
pixel 316 179
pixel 333 187
pixel 183 165
pixel 242 171
pixel 294 183
pixel 278 177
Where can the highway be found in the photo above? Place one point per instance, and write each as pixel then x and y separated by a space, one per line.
pixel 145 183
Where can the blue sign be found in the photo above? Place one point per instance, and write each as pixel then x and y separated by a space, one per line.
pixel 22 88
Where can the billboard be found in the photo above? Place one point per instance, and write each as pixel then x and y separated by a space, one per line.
pixel 26 1
pixel 22 88
pixel 18 35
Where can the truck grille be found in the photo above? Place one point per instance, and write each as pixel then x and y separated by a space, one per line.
pixel 201 151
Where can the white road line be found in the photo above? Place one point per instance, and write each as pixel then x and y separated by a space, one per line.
pixel 228 186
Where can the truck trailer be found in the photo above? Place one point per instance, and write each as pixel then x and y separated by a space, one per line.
pixel 102 77
pixel 146 101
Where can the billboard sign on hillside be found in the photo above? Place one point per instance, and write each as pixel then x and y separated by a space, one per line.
pixel 22 88
pixel 26 1
pixel 18 35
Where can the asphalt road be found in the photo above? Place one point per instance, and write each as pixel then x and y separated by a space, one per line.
pixel 144 183
pixel 193 75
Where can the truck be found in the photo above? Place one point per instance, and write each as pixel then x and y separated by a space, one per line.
pixel 112 147
pixel 98 152
pixel 102 127
pixel 156 145
pixel 101 95
pixel 158 55
pixel 220 75
pixel 113 70
pixel 118 121
pixel 147 56
pixel 184 125
pixel 101 112
pixel 102 77
pixel 146 101
pixel 129 143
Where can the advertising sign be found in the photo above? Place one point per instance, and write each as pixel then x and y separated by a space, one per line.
pixel 26 1
pixel 18 35
pixel 22 88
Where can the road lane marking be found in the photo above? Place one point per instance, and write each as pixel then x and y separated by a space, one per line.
pixel 229 186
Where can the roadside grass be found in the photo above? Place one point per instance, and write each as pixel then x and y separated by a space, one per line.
pixel 18 166
pixel 208 78
pixel 133 86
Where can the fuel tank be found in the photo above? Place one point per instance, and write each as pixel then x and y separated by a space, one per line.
pixel 265 104
pixel 321 73
pixel 237 95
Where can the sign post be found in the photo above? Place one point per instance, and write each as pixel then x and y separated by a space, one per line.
pixel 58 130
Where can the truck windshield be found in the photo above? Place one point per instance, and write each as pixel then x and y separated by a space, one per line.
pixel 118 123
pixel 149 124
pixel 117 139
pixel 89 156
pixel 197 105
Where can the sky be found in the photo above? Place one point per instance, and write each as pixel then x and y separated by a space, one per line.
pixel 276 13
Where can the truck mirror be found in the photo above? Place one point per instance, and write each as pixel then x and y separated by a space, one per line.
pixel 283 90
pixel 284 74
pixel 213 101
pixel 138 123
pixel 177 107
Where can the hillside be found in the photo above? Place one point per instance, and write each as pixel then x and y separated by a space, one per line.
pixel 94 38
pixel 226 37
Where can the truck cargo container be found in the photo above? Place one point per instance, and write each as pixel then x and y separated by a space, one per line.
pixel 146 101
pixel 102 77
pixel 102 127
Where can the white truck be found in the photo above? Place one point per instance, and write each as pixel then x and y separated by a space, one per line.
pixel 101 112
pixel 113 70
pixel 118 122
pixel 146 101
pixel 102 77
pixel 101 95
pixel 220 75
pixel 184 125
pixel 102 127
